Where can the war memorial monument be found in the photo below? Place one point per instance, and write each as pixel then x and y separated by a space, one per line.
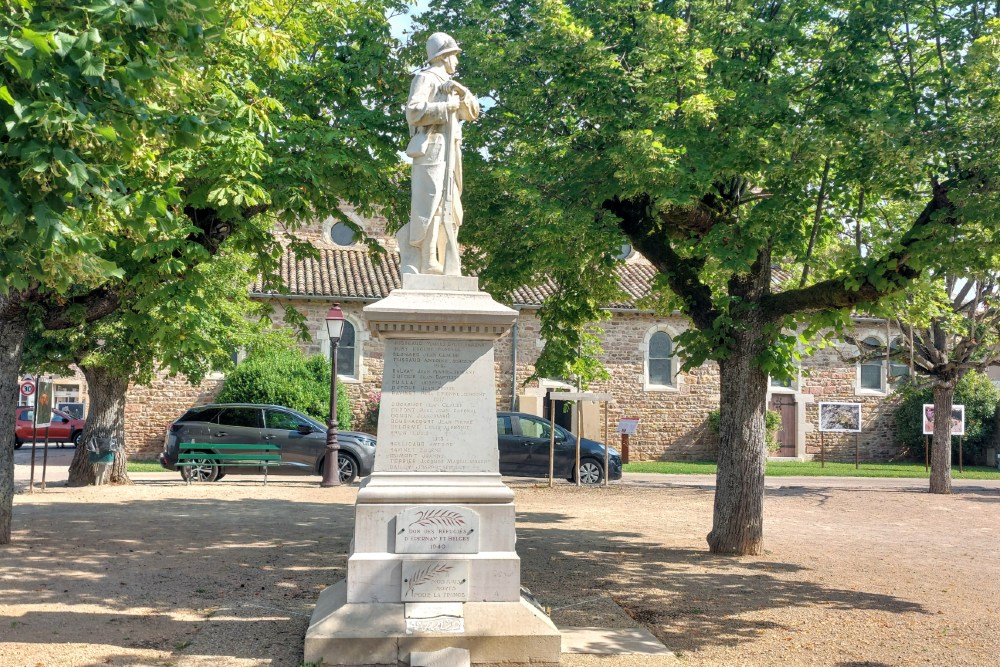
pixel 433 577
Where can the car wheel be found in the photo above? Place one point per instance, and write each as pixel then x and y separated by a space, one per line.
pixel 348 468
pixel 18 444
pixel 77 437
pixel 202 470
pixel 591 472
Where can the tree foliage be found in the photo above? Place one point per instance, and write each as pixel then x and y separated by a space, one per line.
pixel 844 142
pixel 141 137
pixel 276 372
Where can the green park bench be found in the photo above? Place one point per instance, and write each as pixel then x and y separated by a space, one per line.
pixel 192 454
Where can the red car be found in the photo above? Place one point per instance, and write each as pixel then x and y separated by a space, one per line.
pixel 64 428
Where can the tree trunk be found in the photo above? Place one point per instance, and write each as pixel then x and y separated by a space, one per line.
pixel 738 519
pixel 944 396
pixel 13 328
pixel 105 419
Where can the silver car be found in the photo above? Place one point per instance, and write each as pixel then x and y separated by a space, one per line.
pixel 302 440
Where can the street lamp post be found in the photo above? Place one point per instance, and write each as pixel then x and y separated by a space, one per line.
pixel 331 464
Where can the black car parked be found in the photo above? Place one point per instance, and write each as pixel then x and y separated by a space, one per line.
pixel 524 450
pixel 302 440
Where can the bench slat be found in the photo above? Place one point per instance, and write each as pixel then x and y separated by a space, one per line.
pixel 229 457
pixel 260 464
pixel 182 446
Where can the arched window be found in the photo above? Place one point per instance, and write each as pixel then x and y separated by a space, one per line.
pixel 346 364
pixel 660 360
pixel 348 357
pixel 871 376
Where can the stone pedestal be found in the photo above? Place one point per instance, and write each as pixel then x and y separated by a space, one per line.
pixel 432 564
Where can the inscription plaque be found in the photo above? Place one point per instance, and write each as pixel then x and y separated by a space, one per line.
pixel 435 581
pixel 439 625
pixel 438 412
pixel 437 529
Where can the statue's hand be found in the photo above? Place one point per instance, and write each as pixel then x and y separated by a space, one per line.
pixel 452 86
pixel 453 103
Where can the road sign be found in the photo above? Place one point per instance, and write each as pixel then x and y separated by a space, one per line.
pixel 27 388
pixel 628 425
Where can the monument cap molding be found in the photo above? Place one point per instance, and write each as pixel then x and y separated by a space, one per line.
pixel 407 313
pixel 434 488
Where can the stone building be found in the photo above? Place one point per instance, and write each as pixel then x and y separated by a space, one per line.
pixel 639 352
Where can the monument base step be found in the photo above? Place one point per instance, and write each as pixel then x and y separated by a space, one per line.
pixel 378 633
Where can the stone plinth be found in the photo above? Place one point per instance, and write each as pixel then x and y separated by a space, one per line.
pixel 432 564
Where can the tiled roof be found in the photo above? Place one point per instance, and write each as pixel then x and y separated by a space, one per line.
pixel 360 275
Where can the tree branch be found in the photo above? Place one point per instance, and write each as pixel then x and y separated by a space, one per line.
pixel 87 308
pixel 649 236
pixel 894 270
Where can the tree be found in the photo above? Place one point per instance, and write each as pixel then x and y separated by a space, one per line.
pixel 975 391
pixel 140 138
pixel 723 140
pixel 959 332
pixel 130 345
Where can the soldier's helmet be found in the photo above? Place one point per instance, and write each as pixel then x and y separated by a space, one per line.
pixel 441 44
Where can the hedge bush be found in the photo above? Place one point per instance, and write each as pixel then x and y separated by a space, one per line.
pixel 975 391
pixel 277 372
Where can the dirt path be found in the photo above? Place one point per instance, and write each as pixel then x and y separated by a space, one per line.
pixel 227 574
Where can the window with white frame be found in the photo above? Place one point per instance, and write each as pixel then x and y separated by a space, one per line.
pixel 348 350
pixel 661 360
pixel 871 368
pixel 790 384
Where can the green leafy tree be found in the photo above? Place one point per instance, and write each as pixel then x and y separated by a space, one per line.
pixel 276 372
pixel 843 142
pixel 954 326
pixel 130 345
pixel 979 396
pixel 139 138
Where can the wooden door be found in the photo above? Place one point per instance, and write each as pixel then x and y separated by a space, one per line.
pixel 784 404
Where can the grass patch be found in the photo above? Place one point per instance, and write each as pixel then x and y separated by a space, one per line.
pixel 813 469
pixel 145 466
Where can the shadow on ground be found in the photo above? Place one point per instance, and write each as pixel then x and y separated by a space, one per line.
pixel 688 598
pixel 240 577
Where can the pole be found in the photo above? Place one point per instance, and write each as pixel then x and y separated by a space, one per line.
pixel 822 451
pixel 960 466
pixel 45 457
pixel 34 440
pixel 332 460
pixel 624 447
pixel 857 436
pixel 607 452
pixel 927 457
pixel 579 435
pixel 552 440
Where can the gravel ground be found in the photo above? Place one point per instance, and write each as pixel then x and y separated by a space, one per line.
pixel 227 574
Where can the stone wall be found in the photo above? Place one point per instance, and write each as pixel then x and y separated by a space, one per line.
pixel 317 231
pixel 150 410
pixel 830 376
pixel 674 420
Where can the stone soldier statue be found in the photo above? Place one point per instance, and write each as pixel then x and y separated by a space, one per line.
pixel 428 243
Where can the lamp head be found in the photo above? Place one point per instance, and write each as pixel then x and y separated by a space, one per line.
pixel 335 322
